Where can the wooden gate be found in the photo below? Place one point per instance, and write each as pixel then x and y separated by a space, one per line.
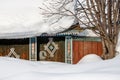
pixel 84 47
pixel 17 48
pixel 51 49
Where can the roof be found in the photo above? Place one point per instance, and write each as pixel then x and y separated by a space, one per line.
pixel 74 30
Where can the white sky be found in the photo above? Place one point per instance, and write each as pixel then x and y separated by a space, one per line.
pixel 23 16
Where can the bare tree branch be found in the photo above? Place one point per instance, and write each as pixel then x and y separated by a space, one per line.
pixel 101 16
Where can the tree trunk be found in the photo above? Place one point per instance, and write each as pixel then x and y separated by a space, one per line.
pixel 108 49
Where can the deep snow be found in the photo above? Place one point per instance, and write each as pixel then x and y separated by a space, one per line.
pixel 90 58
pixel 15 69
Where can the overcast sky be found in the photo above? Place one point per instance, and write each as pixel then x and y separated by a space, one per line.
pixel 19 16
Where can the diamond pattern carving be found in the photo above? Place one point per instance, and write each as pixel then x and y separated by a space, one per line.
pixel 51 47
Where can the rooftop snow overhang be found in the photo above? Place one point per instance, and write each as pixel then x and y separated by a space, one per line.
pixel 23 19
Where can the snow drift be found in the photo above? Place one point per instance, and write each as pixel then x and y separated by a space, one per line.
pixel 15 69
pixel 90 58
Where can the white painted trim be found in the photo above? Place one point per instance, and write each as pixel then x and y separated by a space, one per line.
pixel 68 39
pixel 71 50
pixel 35 48
pixel 12 51
pixel 65 49
pixel 46 47
pixel 29 48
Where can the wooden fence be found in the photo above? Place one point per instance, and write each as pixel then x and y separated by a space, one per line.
pixel 82 48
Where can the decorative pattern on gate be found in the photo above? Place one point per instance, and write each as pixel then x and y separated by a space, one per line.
pixel 12 52
pixel 42 55
pixel 51 47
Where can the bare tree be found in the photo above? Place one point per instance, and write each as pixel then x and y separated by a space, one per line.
pixel 102 16
pixel 55 11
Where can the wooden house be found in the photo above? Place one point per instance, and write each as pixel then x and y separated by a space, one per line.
pixel 67 46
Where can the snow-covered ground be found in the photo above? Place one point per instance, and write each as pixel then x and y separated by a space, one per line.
pixel 15 69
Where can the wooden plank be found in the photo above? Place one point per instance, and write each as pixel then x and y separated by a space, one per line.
pixel 86 48
pixel 94 47
pixel 75 51
pixel 81 49
pixel 89 43
pixel 60 57
pixel 100 49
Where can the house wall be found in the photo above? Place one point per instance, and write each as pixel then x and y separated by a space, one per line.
pixel 69 49
pixel 18 48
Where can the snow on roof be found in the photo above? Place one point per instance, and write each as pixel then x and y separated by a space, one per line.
pixel 88 32
pixel 23 18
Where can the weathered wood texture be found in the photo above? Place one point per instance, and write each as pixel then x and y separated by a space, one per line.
pixel 59 55
pixel 82 48
pixel 21 47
